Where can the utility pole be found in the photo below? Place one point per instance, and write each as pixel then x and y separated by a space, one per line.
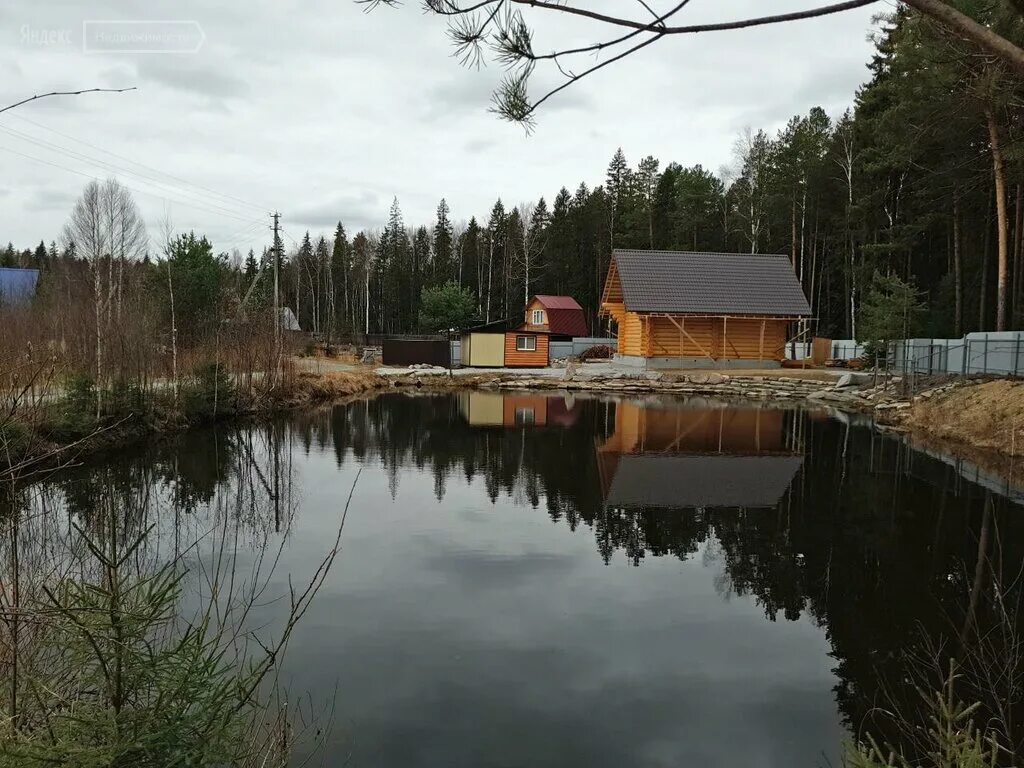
pixel 277 302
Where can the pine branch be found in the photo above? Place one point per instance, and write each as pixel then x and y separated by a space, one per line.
pixel 984 37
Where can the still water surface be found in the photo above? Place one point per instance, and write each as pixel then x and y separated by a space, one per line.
pixel 537 580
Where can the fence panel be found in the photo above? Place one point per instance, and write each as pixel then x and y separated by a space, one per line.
pixel 846 349
pixel 560 349
pixel 983 353
pixel 413 352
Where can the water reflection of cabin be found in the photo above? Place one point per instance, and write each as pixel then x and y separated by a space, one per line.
pixel 496 409
pixel 689 457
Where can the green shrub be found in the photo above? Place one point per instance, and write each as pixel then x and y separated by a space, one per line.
pixel 80 394
pixel 211 392
pixel 76 416
pixel 125 399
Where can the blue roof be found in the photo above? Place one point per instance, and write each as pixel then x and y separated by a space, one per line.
pixel 17 286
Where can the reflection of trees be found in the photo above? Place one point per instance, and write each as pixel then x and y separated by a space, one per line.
pixel 237 479
pixel 876 544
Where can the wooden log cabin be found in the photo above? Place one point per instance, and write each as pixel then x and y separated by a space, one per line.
pixel 677 309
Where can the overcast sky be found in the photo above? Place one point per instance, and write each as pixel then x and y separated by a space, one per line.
pixel 324 112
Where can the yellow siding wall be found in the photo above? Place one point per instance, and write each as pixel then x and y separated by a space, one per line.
pixel 483 350
pixel 483 409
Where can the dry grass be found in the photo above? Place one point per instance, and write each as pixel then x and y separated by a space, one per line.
pixel 988 416
pixel 322 387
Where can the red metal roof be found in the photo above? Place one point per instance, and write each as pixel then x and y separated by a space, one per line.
pixel 558 302
pixel 567 322
pixel 565 315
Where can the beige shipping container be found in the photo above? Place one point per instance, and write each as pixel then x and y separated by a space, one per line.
pixel 483 350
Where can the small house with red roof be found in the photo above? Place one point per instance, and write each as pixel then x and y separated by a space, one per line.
pixel 547 318
pixel 560 316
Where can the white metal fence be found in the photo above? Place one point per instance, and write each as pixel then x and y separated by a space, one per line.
pixel 976 353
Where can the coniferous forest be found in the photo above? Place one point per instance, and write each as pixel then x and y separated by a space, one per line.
pixel 921 178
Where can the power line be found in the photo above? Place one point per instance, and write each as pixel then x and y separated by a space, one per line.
pixel 133 189
pixel 143 165
pixel 109 166
pixel 243 235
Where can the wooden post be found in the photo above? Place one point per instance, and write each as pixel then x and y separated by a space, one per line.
pixel 725 336
pixel 760 344
pixel 682 335
pixel 681 341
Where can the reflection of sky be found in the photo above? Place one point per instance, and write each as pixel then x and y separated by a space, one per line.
pixel 466 633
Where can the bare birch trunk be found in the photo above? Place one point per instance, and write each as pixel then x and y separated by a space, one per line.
pixel 98 288
pixel 174 335
pixel 792 230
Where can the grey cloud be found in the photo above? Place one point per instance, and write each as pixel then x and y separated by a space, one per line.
pixel 52 199
pixel 184 73
pixel 119 77
pixel 355 210
pixel 475 146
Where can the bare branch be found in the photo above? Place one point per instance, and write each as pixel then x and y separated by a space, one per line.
pixel 65 93
pixel 655 26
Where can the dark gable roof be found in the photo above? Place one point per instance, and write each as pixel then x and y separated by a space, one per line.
pixel 709 283
pixel 664 480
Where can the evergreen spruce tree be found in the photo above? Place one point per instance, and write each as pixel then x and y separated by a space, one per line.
pixel 443 263
pixel 341 273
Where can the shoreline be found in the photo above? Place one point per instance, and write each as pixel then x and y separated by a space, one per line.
pixel 882 404
pixel 46 452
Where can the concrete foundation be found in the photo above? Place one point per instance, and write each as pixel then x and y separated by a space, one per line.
pixel 677 363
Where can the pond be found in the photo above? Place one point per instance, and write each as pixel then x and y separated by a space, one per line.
pixel 548 580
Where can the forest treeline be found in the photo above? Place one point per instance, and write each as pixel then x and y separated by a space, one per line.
pixel 922 178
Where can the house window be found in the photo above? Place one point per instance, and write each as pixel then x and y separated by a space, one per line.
pixel 538 317
pixel 526 343
pixel 525 417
